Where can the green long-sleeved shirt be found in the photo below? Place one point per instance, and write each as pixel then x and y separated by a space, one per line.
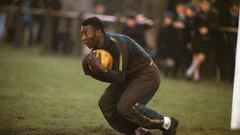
pixel 129 59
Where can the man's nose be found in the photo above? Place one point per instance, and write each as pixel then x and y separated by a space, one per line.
pixel 83 38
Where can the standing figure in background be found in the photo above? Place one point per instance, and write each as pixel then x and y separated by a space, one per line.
pixel 3 17
pixel 231 38
pixel 40 20
pixel 166 45
pixel 206 27
pixel 28 22
pixel 183 57
pixel 233 22
pixel 136 30
pixel 190 27
pixel 191 23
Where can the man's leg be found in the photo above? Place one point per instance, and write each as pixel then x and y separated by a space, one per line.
pixel 108 105
pixel 132 103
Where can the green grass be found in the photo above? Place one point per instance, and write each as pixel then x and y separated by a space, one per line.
pixel 49 94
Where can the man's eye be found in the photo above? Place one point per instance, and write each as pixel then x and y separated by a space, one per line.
pixel 86 35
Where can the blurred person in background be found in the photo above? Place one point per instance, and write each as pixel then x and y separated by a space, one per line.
pixel 183 56
pixel 231 37
pixel 204 39
pixel 166 45
pixel 100 8
pixel 55 5
pixel 65 41
pixel 11 28
pixel 233 22
pixel 40 20
pixel 28 22
pixel 227 38
pixel 3 17
pixel 190 23
pixel 190 26
pixel 135 27
pixel 172 4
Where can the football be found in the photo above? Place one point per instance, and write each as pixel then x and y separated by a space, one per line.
pixel 105 58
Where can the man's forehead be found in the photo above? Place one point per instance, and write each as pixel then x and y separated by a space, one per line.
pixel 85 28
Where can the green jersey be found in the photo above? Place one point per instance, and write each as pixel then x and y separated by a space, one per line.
pixel 129 58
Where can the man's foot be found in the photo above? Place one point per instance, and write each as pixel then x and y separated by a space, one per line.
pixel 142 131
pixel 173 128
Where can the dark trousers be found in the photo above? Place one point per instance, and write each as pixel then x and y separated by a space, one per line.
pixel 123 106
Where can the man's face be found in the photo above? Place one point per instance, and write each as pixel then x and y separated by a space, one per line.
pixel 167 21
pixel 131 22
pixel 89 36
pixel 205 6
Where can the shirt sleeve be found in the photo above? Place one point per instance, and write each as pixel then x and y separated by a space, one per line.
pixel 120 64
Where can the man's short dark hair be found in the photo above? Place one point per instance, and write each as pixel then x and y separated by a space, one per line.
pixel 95 22
pixel 209 1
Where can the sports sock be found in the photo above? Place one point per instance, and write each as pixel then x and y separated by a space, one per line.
pixel 167 123
pixel 196 75
pixel 191 69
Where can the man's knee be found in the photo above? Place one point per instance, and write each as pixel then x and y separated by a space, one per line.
pixel 102 103
pixel 106 107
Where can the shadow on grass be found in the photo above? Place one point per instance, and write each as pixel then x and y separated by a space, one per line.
pixel 101 130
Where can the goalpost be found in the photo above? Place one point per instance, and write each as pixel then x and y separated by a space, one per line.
pixel 235 120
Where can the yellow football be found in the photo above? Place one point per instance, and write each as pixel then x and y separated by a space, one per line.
pixel 105 58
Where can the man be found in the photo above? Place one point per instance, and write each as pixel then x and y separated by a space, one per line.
pixel 134 80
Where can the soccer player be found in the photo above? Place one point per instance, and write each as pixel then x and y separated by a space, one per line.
pixel 134 80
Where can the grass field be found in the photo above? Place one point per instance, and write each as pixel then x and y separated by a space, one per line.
pixel 44 94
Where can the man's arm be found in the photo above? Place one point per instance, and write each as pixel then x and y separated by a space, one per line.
pixel 115 75
pixel 85 66
pixel 109 76
pixel 92 72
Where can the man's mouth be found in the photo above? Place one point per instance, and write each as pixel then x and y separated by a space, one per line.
pixel 88 45
pixel 85 43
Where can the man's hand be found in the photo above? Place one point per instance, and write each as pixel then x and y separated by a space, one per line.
pixel 179 24
pixel 85 66
pixel 94 64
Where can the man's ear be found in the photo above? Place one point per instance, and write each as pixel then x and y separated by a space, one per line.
pixel 98 32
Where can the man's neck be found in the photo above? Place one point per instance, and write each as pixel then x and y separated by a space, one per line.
pixel 101 42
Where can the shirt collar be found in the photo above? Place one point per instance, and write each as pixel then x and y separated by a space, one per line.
pixel 107 40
